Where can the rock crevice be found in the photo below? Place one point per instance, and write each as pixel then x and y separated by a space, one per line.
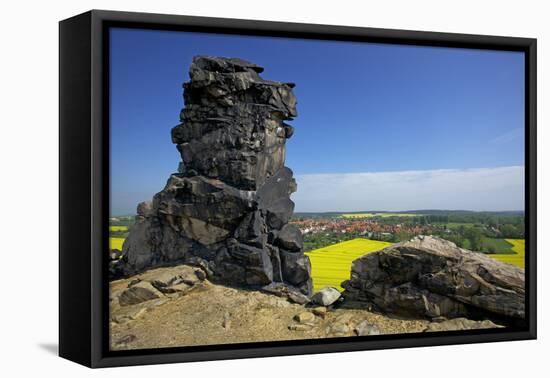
pixel 228 206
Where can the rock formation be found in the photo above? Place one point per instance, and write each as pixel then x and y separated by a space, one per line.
pixel 227 209
pixel 432 277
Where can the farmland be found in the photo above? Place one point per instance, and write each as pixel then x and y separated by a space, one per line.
pixel 118 228
pixel 375 215
pixel 332 264
pixel 117 234
pixel 116 243
pixel 500 246
pixel 518 258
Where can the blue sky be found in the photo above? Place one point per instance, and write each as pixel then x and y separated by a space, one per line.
pixel 362 108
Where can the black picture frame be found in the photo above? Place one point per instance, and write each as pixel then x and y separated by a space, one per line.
pixel 84 189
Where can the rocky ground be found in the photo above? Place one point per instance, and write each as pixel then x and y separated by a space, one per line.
pixel 178 306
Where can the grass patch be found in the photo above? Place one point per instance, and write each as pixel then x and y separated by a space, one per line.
pixel 376 215
pixel 500 246
pixel 332 264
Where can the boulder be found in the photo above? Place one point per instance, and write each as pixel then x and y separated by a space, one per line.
pixel 326 296
pixel 431 277
pixel 228 206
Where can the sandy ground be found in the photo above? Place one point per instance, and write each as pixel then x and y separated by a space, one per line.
pixel 216 314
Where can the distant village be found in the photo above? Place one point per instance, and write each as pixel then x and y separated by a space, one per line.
pixel 477 231
pixel 367 228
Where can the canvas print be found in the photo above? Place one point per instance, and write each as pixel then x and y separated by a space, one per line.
pixel 273 189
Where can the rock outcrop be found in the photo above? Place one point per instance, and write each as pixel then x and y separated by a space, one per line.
pixel 432 277
pixel 227 209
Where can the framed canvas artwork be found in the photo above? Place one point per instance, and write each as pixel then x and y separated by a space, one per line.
pixel 234 188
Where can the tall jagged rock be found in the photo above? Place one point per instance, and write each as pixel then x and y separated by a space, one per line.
pixel 227 209
pixel 431 277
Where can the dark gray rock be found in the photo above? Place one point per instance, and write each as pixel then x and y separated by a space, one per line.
pixel 274 198
pixel 295 267
pixel 252 230
pixel 231 122
pixel 145 209
pixel 227 208
pixel 431 277
pixel 290 238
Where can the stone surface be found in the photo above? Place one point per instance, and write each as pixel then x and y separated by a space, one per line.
pixel 228 206
pixel 198 318
pixel 138 313
pixel 305 317
pixel 165 279
pixel 300 327
pixel 366 329
pixel 460 324
pixel 178 288
pixel 140 292
pixel 283 290
pixel 320 311
pixel 432 277
pixel 339 329
pixel 290 238
pixel 326 296
pixel 226 322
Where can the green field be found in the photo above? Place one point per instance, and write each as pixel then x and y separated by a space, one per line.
pixel 332 264
pixel 518 259
pixel 451 225
pixel 500 246
pixel 373 215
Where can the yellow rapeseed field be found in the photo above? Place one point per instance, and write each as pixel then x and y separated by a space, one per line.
pixel 371 215
pixel 116 243
pixel 118 228
pixel 517 259
pixel 332 264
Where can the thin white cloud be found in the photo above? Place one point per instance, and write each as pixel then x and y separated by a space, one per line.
pixel 481 189
pixel 509 136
